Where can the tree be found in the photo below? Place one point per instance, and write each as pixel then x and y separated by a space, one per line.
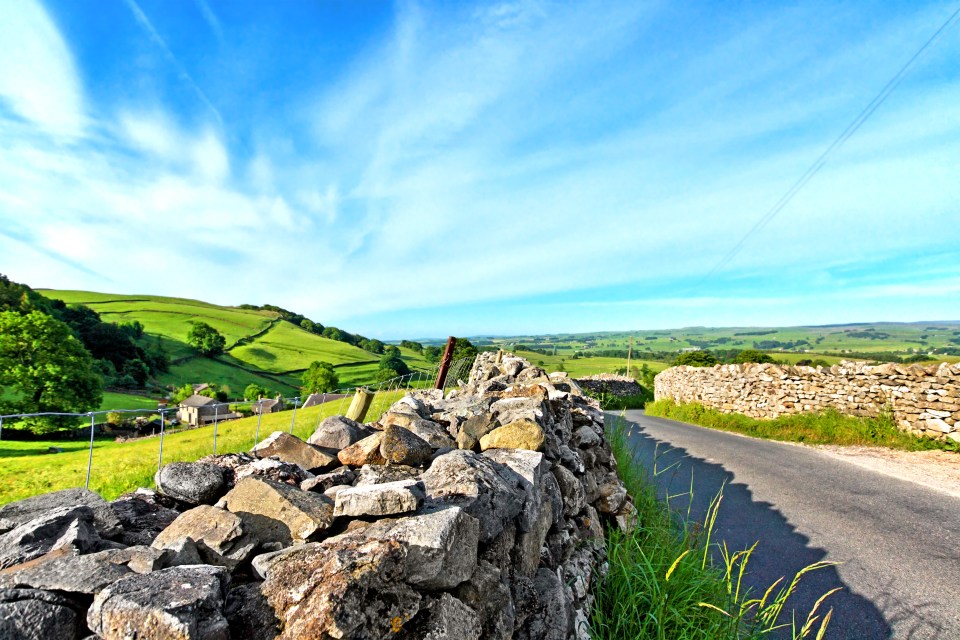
pixel 254 392
pixel 465 349
pixel 137 370
pixel 431 353
pixel 206 339
pixel 320 377
pixel 181 394
pixel 386 374
pixel 395 362
pixel 43 367
pixel 752 355
pixel 413 346
pixel 696 359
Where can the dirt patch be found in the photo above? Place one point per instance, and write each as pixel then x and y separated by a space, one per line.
pixel 939 470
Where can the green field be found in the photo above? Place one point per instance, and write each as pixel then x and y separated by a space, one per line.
pixel 261 348
pixel 28 470
pixel 935 340
pixel 113 400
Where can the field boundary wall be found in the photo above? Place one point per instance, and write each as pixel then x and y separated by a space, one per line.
pixel 922 400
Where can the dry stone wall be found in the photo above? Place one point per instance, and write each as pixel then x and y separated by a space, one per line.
pixel 923 400
pixel 612 384
pixel 476 515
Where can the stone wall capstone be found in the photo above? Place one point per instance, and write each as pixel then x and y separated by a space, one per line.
pixel 479 514
pixel 923 400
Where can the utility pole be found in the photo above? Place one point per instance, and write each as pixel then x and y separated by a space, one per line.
pixel 629 353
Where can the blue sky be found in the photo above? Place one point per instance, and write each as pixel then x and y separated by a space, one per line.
pixel 425 169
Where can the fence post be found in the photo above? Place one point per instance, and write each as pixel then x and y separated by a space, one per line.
pixel 90 457
pixel 160 458
pixel 296 403
pixel 445 363
pixel 1 428
pixel 216 413
pixel 256 436
pixel 359 405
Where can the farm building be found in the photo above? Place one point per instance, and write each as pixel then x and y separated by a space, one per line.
pixel 199 410
pixel 268 405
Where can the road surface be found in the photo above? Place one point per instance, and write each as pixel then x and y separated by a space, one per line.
pixel 898 542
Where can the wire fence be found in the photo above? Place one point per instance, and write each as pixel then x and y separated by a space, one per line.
pixel 169 420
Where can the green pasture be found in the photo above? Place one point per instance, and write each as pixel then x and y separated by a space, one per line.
pixel 118 467
pixel 286 347
pixel 114 400
pixel 169 317
pixel 227 372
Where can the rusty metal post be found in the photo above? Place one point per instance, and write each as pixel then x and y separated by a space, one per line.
pixel 445 363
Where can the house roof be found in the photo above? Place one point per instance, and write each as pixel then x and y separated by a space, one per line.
pixel 197 401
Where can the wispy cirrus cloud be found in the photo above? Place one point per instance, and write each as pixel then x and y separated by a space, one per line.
pixel 467 158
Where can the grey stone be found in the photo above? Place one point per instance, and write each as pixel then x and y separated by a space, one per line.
pixel 338 432
pixel 290 448
pixel 220 536
pixel 379 473
pixel 486 594
pixel 442 546
pixel 249 614
pixel 571 489
pixel 261 564
pixel 180 602
pixel 444 617
pixel 142 517
pixel 273 511
pixel 63 570
pixel 531 467
pixel 31 614
pixel 401 446
pixel 526 554
pixel 488 491
pixel 345 589
pixel 474 428
pixel 192 482
pixel 322 482
pixel 272 469
pixel 585 437
pixel 14 514
pixel 60 528
pixel 384 499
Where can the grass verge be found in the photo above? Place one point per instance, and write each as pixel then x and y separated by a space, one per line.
pixel 664 584
pixel 828 427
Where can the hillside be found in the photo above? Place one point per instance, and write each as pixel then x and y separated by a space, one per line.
pixel 921 341
pixel 261 346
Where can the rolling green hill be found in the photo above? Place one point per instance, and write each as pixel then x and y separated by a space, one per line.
pixel 261 347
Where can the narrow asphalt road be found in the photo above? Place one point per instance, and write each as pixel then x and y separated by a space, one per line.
pixel 898 542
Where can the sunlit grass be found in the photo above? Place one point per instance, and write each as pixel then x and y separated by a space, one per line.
pixel 25 470
pixel 664 583
pixel 827 427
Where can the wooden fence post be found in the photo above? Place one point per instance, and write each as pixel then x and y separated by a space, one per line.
pixel 445 363
pixel 359 405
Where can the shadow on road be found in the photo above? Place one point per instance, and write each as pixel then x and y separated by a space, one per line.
pixel 741 522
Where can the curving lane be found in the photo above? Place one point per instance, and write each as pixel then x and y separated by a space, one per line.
pixel 898 542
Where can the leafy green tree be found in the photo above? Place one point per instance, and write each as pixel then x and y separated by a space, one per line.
pixel 386 374
pixel 181 394
pixel 137 370
pixel 206 339
pixel 334 334
pixel 43 367
pixel 395 362
pixel 696 359
pixel 413 346
pixel 255 391
pixel 132 330
pixel 431 354
pixel 464 349
pixel 320 377
pixel 391 350
pixel 751 355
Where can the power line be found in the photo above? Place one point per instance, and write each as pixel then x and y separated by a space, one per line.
pixel 821 160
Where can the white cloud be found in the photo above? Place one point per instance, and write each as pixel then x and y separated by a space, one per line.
pixel 38 79
pixel 210 158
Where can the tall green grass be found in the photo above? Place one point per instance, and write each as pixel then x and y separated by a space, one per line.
pixel 827 427
pixel 664 584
